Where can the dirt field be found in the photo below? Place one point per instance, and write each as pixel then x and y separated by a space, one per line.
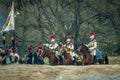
pixel 46 72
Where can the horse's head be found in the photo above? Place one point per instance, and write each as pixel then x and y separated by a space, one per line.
pixel 83 48
pixel 43 52
pixel 2 51
pixel 64 49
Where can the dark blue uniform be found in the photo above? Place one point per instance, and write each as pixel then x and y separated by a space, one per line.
pixel 29 56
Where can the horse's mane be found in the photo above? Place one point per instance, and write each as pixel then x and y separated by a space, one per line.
pixel 67 49
pixel 47 48
pixel 85 47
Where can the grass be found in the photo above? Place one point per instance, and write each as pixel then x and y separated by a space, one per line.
pixel 114 60
pixel 46 60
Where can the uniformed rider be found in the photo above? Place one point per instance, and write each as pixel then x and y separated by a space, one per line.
pixel 92 45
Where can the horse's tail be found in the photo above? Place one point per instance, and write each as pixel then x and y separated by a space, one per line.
pixel 106 59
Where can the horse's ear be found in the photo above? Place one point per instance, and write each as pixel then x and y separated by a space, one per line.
pixel 82 43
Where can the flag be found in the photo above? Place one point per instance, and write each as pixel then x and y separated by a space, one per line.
pixel 9 24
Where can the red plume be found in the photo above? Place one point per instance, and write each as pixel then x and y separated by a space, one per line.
pixel 52 37
pixel 68 37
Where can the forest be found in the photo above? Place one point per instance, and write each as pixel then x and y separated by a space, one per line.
pixel 38 19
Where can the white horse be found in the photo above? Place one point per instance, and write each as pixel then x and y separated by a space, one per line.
pixel 14 57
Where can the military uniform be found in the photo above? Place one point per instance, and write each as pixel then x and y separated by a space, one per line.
pixel 37 54
pixel 92 45
pixel 70 45
pixel 30 55
pixel 53 46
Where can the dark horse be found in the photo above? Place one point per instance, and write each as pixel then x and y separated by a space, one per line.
pixel 2 55
pixel 103 60
pixel 53 60
pixel 87 58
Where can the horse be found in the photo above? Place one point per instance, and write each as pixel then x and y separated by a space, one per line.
pixel 87 58
pixel 53 60
pixel 2 55
pixel 103 59
pixel 67 57
pixel 14 58
pixel 77 59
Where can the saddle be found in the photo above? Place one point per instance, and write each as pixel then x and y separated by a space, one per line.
pixel 99 55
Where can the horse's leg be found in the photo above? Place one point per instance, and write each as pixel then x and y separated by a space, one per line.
pixel 60 60
pixel 67 62
pixel 106 59
pixel 103 59
pixel 99 61
pixel 17 58
pixel 12 59
pixel 51 61
pixel 56 61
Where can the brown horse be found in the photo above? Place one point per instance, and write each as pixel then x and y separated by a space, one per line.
pixel 87 58
pixel 67 57
pixel 103 60
pixel 53 60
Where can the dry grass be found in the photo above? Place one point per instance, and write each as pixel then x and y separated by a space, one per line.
pixel 114 60
pixel 46 72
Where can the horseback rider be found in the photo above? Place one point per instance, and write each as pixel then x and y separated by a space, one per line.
pixel 53 45
pixel 70 45
pixel 92 45
pixel 55 48
pixel 14 55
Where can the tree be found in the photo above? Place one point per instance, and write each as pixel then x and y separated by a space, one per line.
pixel 39 19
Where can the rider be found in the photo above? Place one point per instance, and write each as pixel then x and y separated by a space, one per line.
pixel 54 44
pixel 92 45
pixel 69 44
pixel 37 54
pixel 14 54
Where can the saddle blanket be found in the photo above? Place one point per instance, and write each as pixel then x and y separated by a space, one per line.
pixel 99 55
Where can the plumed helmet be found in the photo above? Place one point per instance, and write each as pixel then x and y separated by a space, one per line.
pixel 52 37
pixel 68 37
pixel 30 47
pixel 92 33
pixel 37 49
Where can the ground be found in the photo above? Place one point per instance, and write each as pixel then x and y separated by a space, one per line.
pixel 47 72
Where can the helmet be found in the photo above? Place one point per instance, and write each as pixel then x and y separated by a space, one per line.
pixel 93 34
pixel 52 37
pixel 68 37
